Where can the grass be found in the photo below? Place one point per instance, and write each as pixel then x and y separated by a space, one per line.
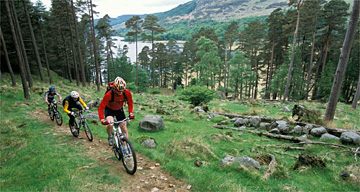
pixel 33 159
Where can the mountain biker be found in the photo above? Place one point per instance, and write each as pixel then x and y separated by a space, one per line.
pixel 50 96
pixel 73 101
pixel 113 103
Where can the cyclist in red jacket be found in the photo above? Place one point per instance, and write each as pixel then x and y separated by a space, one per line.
pixel 113 103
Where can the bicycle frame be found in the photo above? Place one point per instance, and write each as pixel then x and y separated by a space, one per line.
pixel 117 131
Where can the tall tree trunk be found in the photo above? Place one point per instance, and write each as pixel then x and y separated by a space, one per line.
pixel 310 64
pixel 112 60
pixel 225 66
pixel 36 50
pixel 18 53
pixel 13 82
pixel 292 52
pixel 153 58
pixel 94 45
pixel 22 45
pixel 271 69
pixel 357 95
pixel 136 63
pixel 73 50
pixel 45 54
pixel 82 73
pixel 186 74
pixel 108 61
pixel 66 57
pixel 344 57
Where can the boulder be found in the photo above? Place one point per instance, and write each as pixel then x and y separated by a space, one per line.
pixel 298 130
pixel 247 162
pixel 151 123
pixel 350 138
pixel 328 136
pixel 255 122
pixel 317 132
pixel 94 116
pixel 149 143
pixel 241 122
pixel 285 109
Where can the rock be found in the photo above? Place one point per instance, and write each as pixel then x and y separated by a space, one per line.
pixel 282 126
pixel 317 132
pixel 212 115
pixel 255 122
pixel 275 131
pixel 151 123
pixel 197 162
pixel 308 159
pixel 240 122
pixel 285 109
pixel 265 126
pixel 150 143
pixel 247 162
pixel 91 116
pixel 198 109
pixel 298 130
pixel 350 138
pixel 328 136
pixel 226 161
pixel 344 174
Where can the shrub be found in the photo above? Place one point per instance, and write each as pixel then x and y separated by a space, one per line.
pixel 196 95
pixel 154 91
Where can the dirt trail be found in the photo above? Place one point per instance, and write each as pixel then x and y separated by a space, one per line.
pixel 148 176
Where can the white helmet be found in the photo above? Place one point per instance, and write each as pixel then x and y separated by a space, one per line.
pixel 74 94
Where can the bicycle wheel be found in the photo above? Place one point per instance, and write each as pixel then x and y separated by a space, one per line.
pixel 58 118
pixel 128 156
pixel 117 150
pixel 76 133
pixel 51 114
pixel 87 131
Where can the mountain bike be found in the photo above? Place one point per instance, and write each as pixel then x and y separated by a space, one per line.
pixel 55 114
pixel 123 148
pixel 80 121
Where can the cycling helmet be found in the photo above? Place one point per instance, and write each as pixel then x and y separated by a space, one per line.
pixel 119 84
pixel 74 94
pixel 51 88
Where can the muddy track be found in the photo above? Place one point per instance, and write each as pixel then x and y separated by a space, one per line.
pixel 148 176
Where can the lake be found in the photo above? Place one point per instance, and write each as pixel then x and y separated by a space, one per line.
pixel 119 42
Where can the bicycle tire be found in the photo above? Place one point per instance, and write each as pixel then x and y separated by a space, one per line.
pixel 52 115
pixel 129 156
pixel 87 131
pixel 117 150
pixel 58 118
pixel 76 133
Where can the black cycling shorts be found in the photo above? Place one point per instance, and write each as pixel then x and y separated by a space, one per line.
pixel 119 114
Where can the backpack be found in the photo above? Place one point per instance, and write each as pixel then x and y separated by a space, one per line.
pixel 110 87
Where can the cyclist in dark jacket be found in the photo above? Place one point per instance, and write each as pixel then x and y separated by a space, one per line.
pixel 50 96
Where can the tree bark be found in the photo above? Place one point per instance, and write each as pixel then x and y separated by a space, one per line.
pixel 292 52
pixel 82 73
pixel 18 53
pixel 45 55
pixel 13 82
pixel 310 64
pixel 357 94
pixel 22 45
pixel 66 57
pixel 344 57
pixel 36 50
pixel 94 45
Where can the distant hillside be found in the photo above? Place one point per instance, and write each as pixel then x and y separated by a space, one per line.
pixel 208 13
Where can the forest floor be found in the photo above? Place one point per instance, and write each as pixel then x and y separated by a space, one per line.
pixel 148 177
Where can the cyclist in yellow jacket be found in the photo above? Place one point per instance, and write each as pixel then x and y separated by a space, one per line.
pixel 73 101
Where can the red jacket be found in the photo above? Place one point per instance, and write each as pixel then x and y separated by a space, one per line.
pixel 117 104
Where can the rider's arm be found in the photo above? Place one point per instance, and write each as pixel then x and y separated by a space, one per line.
pixel 103 104
pixel 66 105
pixel 58 96
pixel 82 102
pixel 46 97
pixel 129 101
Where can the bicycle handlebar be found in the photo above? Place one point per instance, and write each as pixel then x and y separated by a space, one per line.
pixel 118 122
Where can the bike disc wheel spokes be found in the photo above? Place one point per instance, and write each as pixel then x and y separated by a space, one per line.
pixel 88 131
pixel 58 118
pixel 128 157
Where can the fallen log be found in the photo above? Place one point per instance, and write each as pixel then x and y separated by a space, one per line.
pixel 285 137
pixel 263 119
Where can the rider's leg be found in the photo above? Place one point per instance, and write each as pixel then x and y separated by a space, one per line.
pixel 124 128
pixel 71 122
pixel 109 126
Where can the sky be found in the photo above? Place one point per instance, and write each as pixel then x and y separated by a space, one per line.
pixel 116 8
